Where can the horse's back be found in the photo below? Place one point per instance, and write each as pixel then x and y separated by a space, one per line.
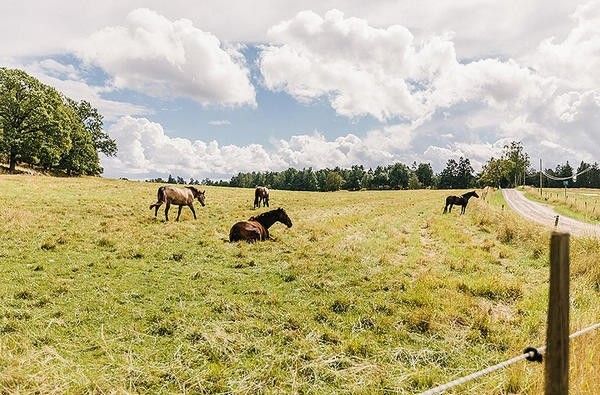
pixel 179 196
pixel 246 230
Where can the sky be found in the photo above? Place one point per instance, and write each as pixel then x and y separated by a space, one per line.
pixel 211 88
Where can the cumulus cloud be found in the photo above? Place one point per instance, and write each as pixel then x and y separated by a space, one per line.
pixel 384 72
pixel 145 150
pixel 166 59
pixel 575 60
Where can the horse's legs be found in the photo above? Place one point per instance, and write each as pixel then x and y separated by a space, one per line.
pixel 445 209
pixel 179 212
pixel 450 209
pixel 167 207
pixel 191 206
pixel 156 207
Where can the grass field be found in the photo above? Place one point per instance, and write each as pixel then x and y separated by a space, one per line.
pixel 579 203
pixel 368 292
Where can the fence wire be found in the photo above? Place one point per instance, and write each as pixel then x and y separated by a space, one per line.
pixel 529 354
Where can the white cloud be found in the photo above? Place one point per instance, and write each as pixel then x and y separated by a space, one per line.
pixel 482 27
pixel 167 59
pixel 575 60
pixel 146 150
pixel 384 72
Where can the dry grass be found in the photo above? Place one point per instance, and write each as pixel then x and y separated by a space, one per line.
pixel 369 292
pixel 583 204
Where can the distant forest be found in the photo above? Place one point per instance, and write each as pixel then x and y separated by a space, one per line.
pixel 510 169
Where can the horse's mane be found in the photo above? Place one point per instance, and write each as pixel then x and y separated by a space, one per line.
pixel 467 194
pixel 267 214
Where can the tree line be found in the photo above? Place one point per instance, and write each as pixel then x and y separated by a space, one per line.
pixel 457 174
pixel 43 128
pixel 511 168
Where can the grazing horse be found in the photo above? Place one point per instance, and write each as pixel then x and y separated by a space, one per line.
pixel 261 194
pixel 459 201
pixel 257 228
pixel 178 196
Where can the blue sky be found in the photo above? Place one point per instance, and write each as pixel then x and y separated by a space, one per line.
pixel 210 91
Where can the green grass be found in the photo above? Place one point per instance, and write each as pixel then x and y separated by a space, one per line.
pixel 368 292
pixel 582 204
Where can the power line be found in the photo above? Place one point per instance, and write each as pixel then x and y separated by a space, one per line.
pixel 555 178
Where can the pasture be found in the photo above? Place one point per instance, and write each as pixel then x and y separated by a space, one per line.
pixel 368 292
pixel 580 203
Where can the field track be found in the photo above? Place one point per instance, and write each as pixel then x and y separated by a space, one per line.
pixel 545 215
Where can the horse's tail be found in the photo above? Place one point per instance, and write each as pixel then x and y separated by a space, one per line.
pixel 160 197
pixel 448 201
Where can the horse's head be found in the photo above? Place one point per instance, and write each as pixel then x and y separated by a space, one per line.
pixel 283 217
pixel 474 193
pixel 200 195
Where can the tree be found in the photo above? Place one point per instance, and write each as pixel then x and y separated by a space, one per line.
pixel 424 174
pixel 517 162
pixel 447 178
pixel 34 120
pixel 464 174
pixel 88 138
pixel 413 182
pixel 398 176
pixel 334 181
pixel 492 173
pixel 380 178
pixel 355 178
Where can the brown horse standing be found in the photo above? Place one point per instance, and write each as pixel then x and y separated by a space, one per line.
pixel 462 201
pixel 257 228
pixel 178 196
pixel 261 194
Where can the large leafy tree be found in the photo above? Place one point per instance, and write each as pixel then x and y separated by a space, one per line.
pixel 517 161
pixel 40 126
pixel 34 120
pixel 447 178
pixel 493 173
pixel 399 175
pixel 464 175
pixel 424 173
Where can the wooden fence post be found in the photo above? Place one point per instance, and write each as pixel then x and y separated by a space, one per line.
pixel 557 335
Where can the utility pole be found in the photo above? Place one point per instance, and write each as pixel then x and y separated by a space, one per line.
pixel 541 191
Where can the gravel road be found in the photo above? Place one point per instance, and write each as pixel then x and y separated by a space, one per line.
pixel 545 215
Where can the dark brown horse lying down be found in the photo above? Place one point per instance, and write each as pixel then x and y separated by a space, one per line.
pixel 178 196
pixel 257 228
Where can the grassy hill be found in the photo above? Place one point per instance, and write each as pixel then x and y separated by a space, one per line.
pixel 368 292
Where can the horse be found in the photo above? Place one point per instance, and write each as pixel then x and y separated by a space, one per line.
pixel 178 196
pixel 462 201
pixel 261 194
pixel 257 228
